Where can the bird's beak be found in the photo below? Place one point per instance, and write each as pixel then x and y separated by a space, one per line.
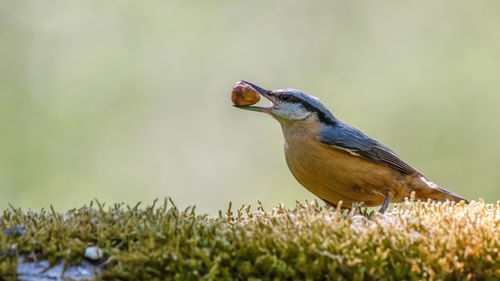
pixel 265 93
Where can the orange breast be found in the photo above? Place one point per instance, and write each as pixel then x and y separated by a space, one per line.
pixel 332 174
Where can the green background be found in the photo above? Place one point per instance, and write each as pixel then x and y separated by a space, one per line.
pixel 129 100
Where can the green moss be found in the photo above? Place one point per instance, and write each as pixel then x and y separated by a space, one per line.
pixel 432 241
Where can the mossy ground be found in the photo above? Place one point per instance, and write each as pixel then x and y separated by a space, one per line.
pixel 432 241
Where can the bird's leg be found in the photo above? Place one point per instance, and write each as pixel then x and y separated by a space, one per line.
pixel 386 203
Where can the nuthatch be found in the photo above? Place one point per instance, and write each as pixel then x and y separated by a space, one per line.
pixel 337 162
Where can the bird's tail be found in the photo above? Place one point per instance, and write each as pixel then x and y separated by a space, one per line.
pixel 437 193
pixel 444 195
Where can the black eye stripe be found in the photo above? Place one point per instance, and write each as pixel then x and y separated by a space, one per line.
pixel 286 97
pixel 308 102
pixel 321 115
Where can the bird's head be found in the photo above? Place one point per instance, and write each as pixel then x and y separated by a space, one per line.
pixel 292 105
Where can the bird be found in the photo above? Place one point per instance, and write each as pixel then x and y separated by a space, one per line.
pixel 337 162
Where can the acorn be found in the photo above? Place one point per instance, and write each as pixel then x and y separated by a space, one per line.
pixel 244 94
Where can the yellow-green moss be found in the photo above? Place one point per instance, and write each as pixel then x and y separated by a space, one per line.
pixel 417 241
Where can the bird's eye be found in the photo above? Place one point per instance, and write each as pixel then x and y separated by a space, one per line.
pixel 286 97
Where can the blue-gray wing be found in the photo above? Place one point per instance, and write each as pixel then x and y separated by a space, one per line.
pixel 353 141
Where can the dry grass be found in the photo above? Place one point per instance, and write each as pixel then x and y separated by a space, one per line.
pixel 415 240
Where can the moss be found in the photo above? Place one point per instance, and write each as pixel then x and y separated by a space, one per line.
pixel 435 241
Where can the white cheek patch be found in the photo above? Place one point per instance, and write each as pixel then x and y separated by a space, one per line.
pixel 294 111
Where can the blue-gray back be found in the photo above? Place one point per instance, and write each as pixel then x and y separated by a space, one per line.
pixel 353 141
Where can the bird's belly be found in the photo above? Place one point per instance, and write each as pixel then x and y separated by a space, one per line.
pixel 335 175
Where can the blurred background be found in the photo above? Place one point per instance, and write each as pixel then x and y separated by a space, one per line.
pixel 128 101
